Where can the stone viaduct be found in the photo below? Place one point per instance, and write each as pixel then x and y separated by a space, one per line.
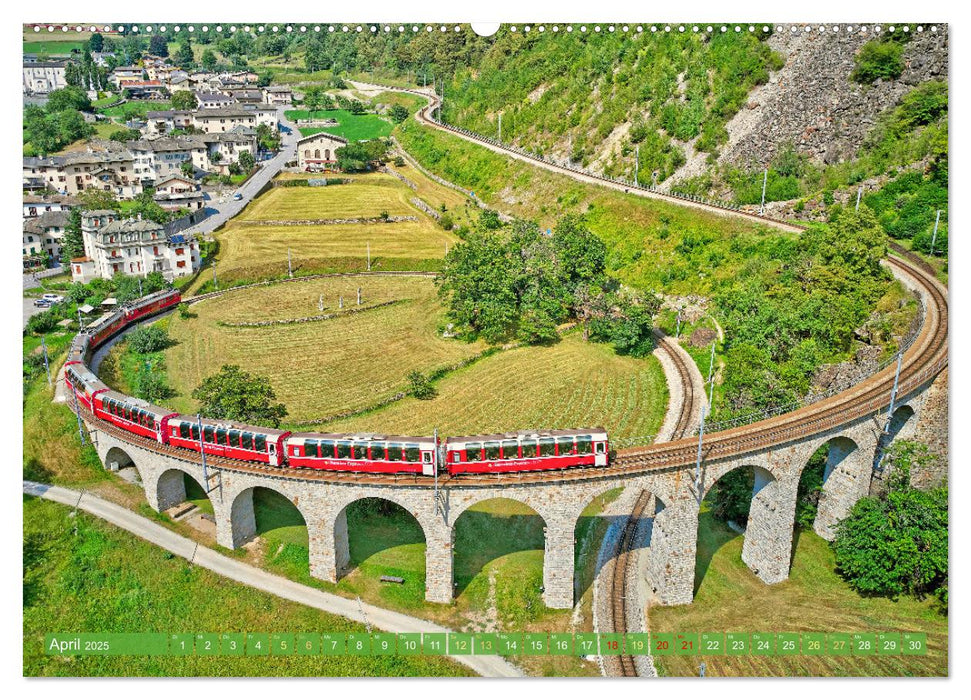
pixel 852 452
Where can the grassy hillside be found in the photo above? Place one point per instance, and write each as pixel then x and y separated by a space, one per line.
pixel 594 98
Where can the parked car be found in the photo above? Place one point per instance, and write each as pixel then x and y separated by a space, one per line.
pixel 53 298
pixel 42 303
pixel 237 196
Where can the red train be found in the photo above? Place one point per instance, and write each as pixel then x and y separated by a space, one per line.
pixel 393 454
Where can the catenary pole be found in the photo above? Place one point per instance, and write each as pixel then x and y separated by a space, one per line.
pixel 934 237
pixel 711 374
pixel 47 366
pixel 765 182
pixel 859 193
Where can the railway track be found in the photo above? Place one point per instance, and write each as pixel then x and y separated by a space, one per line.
pixel 618 580
pixel 687 409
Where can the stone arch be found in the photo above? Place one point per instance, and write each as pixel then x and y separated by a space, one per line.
pixel 767 544
pixel 406 533
pixel 239 523
pixel 845 479
pixel 170 487
pixel 480 539
pixel 900 423
pixel 610 511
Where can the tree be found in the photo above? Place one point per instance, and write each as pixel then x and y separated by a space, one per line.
pixel 420 386
pixel 246 161
pixel 187 168
pixel 897 543
pixel 313 97
pixel 125 135
pixel 184 100
pixel 72 243
pixel 209 60
pixel 184 56
pixel 148 339
pixel 96 43
pixel 71 97
pixel 234 394
pixel 398 113
pixel 93 199
pixel 150 385
pixel 216 157
pixel 158 46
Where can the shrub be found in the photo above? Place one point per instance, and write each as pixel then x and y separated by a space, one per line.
pixel 184 310
pixel 446 222
pixel 148 339
pixel 420 386
pixel 879 60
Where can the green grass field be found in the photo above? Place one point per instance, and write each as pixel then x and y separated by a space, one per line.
pixel 353 127
pixel 52 47
pixel 250 251
pixel 730 598
pixel 571 384
pixel 335 365
pixel 83 575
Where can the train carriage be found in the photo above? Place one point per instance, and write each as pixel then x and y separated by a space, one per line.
pixel 131 414
pixel 105 327
pixel 83 383
pixel 390 454
pixel 150 305
pixel 226 439
pixel 78 353
pixel 526 451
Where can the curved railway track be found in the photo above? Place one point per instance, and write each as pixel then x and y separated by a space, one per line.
pixel 686 410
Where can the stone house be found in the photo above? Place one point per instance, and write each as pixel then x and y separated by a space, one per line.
pixel 43 77
pixel 43 234
pixel 277 95
pixel 318 151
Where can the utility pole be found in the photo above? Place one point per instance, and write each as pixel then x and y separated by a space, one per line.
pixel 637 164
pixel 765 182
pixel 215 282
pixel 140 287
pixel 340 302
pixel 711 374
pixel 701 437
pixel 893 392
pixel 358 296
pixel 289 264
pixel 320 303
pixel 369 256
pixel 677 331
pixel 500 127
pixel 77 412
pixel 202 451
pixel 859 193
pixel 47 367
pixel 934 237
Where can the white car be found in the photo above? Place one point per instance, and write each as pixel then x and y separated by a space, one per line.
pixel 53 298
pixel 237 196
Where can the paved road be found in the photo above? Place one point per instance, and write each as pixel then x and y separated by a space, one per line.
pixel 222 211
pixel 491 666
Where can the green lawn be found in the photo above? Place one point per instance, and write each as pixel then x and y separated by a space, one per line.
pixel 52 47
pixel 353 127
pixel 730 598
pixel 83 575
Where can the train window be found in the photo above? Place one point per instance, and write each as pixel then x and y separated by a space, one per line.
pixel 195 432
pixel 220 436
pixel 600 448
pixel 473 451
pixel 529 448
pixel 327 449
pixel 247 441
pixel 394 451
pixel 260 443
pixel 310 448
pixel 360 450
pixel 412 453
pixel 565 445
pixel 377 451
pixel 234 438
pixel 343 449
pixel 208 433
pixel 546 446
pixel 510 449
pixel 584 444
pixel 491 450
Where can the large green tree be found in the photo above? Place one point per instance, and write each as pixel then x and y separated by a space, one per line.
pixel 234 394
pixel 72 243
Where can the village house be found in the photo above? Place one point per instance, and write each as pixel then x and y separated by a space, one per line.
pixel 277 95
pixel 42 235
pixel 132 246
pixel 35 205
pixel 122 73
pixel 226 119
pixel 177 192
pixel 228 146
pixel 318 151
pixel 250 96
pixel 100 58
pixel 167 121
pixel 143 89
pixel 42 77
pixel 70 173
pixel 213 100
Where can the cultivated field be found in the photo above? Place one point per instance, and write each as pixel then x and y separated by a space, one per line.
pixel 571 384
pixel 353 127
pixel 252 251
pixel 319 368
pixel 730 598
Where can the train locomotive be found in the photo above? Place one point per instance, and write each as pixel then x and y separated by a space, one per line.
pixel 525 451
